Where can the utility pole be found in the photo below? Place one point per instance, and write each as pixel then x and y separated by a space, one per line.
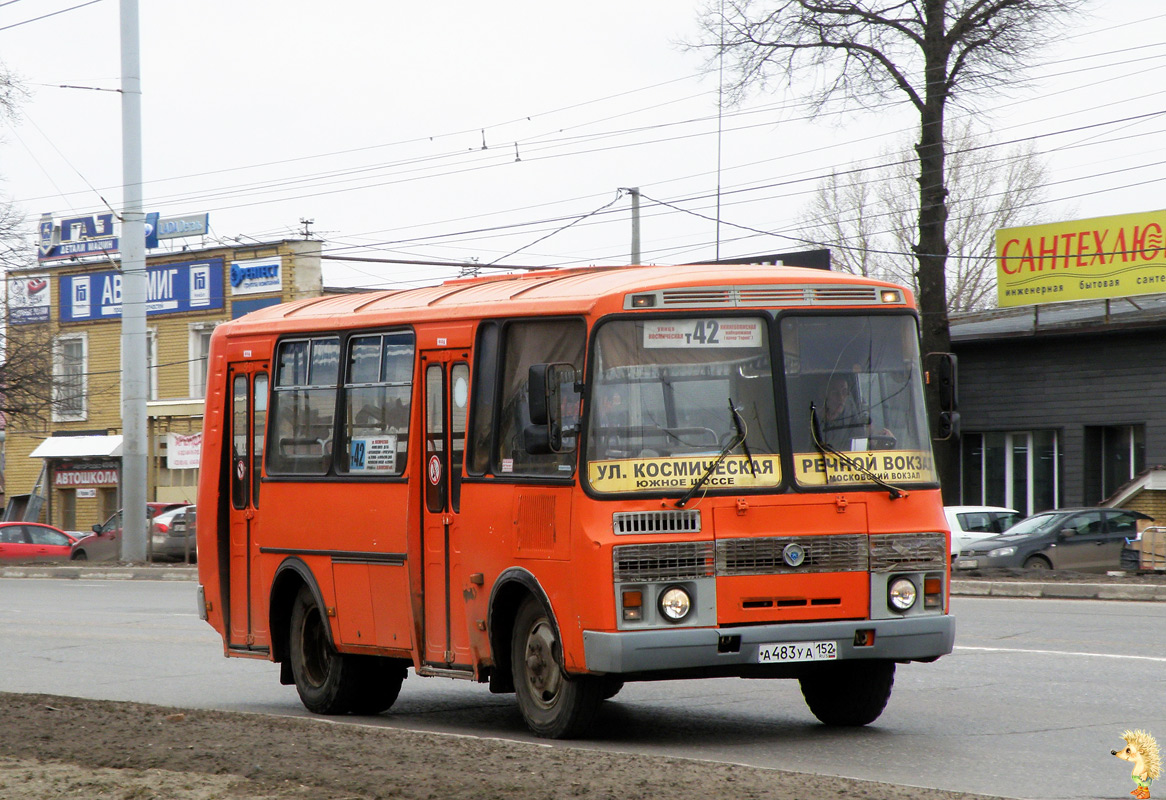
pixel 635 193
pixel 133 295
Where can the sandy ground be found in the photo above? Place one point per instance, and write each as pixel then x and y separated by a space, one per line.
pixel 59 747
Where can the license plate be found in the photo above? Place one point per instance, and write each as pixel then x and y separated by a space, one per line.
pixel 789 652
pixel 966 563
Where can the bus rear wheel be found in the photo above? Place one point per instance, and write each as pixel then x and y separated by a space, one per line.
pixel 849 694
pixel 554 704
pixel 329 682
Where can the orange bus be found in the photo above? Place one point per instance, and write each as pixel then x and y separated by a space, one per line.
pixel 561 481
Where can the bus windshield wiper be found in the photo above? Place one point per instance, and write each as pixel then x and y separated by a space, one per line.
pixel 728 448
pixel 826 449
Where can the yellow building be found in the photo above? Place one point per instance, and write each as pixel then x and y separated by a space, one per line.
pixel 64 452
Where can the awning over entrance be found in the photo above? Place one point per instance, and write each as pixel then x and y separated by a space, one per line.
pixel 78 447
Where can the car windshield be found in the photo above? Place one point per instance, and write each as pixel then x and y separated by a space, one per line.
pixel 671 396
pixel 1038 523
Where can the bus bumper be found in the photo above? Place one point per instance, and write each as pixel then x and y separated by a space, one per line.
pixel 660 650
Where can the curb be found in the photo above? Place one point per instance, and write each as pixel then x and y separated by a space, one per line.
pixel 1141 592
pixel 110 573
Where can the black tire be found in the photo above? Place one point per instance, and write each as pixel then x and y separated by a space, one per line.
pixel 849 694
pixel 379 682
pixel 610 687
pixel 79 556
pixel 555 705
pixel 1037 563
pixel 329 682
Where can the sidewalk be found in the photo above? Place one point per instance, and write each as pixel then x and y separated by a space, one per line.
pixel 966 587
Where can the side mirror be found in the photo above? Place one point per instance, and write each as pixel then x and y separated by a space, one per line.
pixel 948 387
pixel 96 529
pixel 949 425
pixel 1068 533
pixel 545 383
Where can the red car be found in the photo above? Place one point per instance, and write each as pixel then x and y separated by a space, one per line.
pixel 31 542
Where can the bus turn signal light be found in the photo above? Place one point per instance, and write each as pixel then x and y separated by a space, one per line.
pixel 633 606
pixel 932 592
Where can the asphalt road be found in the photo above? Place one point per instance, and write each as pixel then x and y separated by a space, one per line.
pixel 1029 705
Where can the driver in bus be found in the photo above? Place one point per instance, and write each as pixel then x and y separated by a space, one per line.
pixel 844 426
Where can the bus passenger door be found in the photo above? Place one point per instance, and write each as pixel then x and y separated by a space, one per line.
pixel 248 422
pixel 446 406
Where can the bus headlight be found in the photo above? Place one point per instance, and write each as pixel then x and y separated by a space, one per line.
pixel 901 594
pixel 675 604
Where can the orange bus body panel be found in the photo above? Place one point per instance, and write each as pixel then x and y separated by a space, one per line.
pixel 384 580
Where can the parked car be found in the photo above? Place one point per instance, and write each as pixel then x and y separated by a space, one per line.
pixel 104 542
pixel 172 535
pixel 972 523
pixel 29 542
pixel 1082 539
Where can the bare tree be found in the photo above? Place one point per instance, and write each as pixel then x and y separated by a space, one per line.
pixel 862 52
pixel 27 388
pixel 867 216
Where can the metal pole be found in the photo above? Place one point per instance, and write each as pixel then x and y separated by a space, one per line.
pixel 635 193
pixel 133 295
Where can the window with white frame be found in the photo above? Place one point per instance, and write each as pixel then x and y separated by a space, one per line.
pixel 152 363
pixel 200 348
pixel 1014 469
pixel 70 370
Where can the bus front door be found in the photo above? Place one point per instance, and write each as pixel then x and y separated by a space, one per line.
pixel 446 635
pixel 248 419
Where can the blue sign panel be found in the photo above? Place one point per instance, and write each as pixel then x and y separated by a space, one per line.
pixel 170 289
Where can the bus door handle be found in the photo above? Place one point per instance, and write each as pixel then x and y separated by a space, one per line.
pixel 447 519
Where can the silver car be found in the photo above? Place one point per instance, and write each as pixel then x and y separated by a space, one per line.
pixel 172 535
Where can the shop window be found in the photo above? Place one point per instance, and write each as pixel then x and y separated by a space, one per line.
pixel 1114 455
pixel 1013 469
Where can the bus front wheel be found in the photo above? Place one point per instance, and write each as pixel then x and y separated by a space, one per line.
pixel 849 694
pixel 329 682
pixel 554 704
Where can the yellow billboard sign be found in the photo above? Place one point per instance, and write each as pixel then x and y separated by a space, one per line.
pixel 1082 260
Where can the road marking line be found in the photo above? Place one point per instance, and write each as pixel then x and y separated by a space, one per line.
pixel 1061 653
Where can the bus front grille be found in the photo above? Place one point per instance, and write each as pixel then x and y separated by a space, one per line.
pixel 768 556
pixel 678 521
pixel 907 551
pixel 663 562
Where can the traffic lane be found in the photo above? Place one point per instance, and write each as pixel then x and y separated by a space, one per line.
pixel 985 719
pixel 138 641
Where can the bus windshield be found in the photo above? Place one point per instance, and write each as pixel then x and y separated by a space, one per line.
pixel 673 397
pixel 855 398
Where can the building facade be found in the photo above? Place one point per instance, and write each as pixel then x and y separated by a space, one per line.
pixel 64 453
pixel 1061 403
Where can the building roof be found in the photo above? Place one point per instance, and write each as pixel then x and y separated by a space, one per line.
pixel 1052 319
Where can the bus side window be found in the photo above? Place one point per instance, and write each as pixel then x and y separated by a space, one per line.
pixel 482 399
pixel 303 407
pixel 528 342
pixel 378 386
